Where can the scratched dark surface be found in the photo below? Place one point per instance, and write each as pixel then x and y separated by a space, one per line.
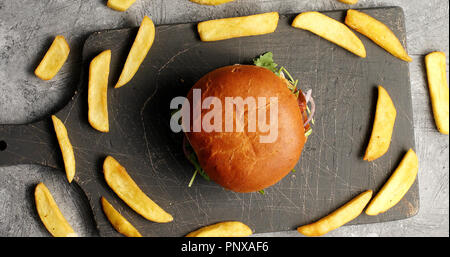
pixel 330 172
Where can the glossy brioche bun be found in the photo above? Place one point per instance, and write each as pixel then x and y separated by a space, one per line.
pixel 238 161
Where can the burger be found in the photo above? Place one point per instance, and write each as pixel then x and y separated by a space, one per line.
pixel 249 157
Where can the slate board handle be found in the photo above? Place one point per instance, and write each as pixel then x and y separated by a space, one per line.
pixel 33 143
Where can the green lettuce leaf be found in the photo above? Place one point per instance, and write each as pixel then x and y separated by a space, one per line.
pixel 266 61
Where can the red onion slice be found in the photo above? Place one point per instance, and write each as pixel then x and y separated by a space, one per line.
pixel 307 95
pixel 309 99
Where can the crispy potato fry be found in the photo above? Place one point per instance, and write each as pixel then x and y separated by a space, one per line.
pixel 54 59
pixel 124 186
pixel 438 86
pixel 97 91
pixel 221 29
pixel 141 45
pixel 120 5
pixel 211 2
pixel 339 217
pixel 397 185
pixel 66 147
pixel 118 221
pixel 330 29
pixel 223 229
pixel 50 214
pixel 377 32
pixel 383 126
pixel 348 1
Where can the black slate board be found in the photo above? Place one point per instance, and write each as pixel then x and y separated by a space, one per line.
pixel 330 172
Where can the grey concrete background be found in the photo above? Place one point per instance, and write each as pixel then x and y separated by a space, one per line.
pixel 28 26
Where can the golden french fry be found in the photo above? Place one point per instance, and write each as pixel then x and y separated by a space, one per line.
pixel 141 45
pixel 54 59
pixel 97 91
pixel 66 147
pixel 330 29
pixel 383 126
pixel 438 86
pixel 223 229
pixel 348 1
pixel 397 185
pixel 339 217
pixel 120 5
pixel 124 186
pixel 211 2
pixel 377 32
pixel 118 221
pixel 227 28
pixel 50 214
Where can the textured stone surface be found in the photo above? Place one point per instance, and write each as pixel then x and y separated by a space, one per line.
pixel 28 27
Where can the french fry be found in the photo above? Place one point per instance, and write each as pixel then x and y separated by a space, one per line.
pixel 54 59
pixel 50 214
pixel 223 229
pixel 438 86
pixel 330 29
pixel 397 185
pixel 383 126
pixel 139 50
pixel 120 5
pixel 211 2
pixel 377 32
pixel 221 29
pixel 97 91
pixel 66 147
pixel 348 1
pixel 339 217
pixel 124 186
pixel 118 221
